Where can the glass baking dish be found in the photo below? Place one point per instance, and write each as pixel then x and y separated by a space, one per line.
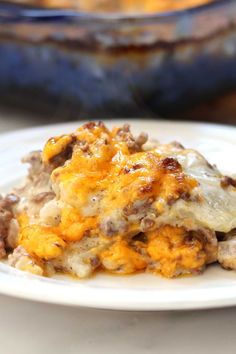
pixel 75 64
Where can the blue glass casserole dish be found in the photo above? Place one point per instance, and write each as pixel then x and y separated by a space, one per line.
pixel 173 64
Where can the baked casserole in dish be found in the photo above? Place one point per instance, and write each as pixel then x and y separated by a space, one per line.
pixel 103 58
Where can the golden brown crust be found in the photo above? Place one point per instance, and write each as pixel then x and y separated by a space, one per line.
pixel 227 181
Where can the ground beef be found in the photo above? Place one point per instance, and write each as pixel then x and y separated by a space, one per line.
pixel 227 251
pixel 148 223
pixel 20 259
pixel 228 181
pixel 113 225
pixel 134 144
pixel 64 155
pixel 38 173
pixel 43 197
pixel 2 248
pixel 37 189
pixel 8 223
pixel 80 258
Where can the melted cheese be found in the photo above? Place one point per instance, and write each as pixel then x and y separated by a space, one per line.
pixel 73 227
pixel 122 259
pixel 102 178
pixel 174 252
pixel 109 172
pixel 42 242
pixel 55 146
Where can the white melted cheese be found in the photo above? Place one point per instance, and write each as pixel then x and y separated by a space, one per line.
pixel 216 209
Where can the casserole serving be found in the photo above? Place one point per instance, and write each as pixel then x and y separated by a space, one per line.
pixel 101 199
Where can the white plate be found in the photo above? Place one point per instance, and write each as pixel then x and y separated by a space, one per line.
pixel 215 288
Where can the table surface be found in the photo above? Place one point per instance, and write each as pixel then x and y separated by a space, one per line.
pixel 34 328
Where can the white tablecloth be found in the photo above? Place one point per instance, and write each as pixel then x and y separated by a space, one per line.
pixel 34 328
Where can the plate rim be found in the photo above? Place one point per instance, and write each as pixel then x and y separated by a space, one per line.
pixel 43 127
